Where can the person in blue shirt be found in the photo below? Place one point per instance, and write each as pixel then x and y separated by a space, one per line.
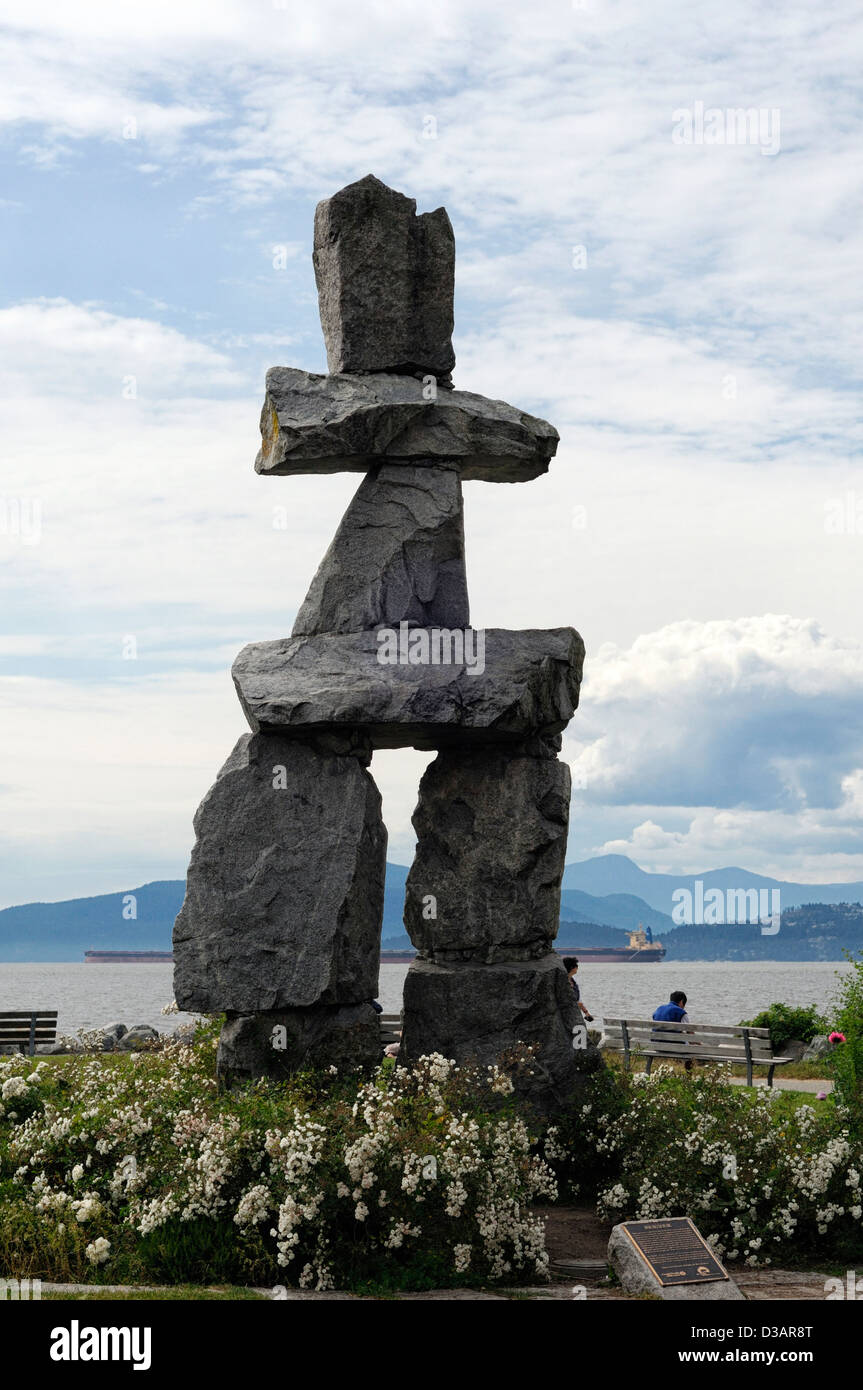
pixel 672 1012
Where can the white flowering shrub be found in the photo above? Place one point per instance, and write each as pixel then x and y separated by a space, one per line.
pixel 760 1173
pixel 140 1167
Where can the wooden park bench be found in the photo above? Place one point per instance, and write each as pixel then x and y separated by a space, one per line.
pixel 26 1028
pixel 699 1042
pixel 391 1029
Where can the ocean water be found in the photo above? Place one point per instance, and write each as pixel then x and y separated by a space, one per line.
pixel 88 996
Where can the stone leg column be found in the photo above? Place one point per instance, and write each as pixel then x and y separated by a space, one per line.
pixel 482 908
pixel 280 927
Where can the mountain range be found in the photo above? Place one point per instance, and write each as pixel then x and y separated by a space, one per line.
pixel 614 873
pixel 606 894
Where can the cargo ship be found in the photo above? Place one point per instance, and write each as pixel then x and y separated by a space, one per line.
pixel 128 957
pixel 642 949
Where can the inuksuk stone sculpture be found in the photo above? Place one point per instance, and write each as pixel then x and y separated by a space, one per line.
pixel 280 928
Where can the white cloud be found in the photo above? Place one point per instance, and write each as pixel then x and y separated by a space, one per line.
pixel 706 266
pixel 84 350
pixel 742 737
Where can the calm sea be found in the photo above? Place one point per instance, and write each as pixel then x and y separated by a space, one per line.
pixel 88 996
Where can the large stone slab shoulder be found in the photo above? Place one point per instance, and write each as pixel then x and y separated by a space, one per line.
pixel 526 683
pixel 334 424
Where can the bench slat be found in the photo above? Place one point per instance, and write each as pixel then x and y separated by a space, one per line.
pixel 635 1023
pixel 43 1014
pixel 731 1039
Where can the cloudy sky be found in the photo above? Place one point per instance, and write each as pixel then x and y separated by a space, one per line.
pixel 679 293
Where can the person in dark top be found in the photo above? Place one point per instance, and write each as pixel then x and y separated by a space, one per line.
pixel 570 965
pixel 672 1012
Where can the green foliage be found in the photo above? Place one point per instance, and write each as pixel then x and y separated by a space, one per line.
pixel 846 1059
pixel 140 1169
pixel 786 1021
pixel 763 1173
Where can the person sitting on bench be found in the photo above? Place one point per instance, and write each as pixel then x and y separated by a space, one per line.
pixel 672 1012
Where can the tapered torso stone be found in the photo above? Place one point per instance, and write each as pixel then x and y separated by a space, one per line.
pixel 491 843
pixel 284 895
pixel 332 424
pixel 421 688
pixel 398 555
pixel 385 282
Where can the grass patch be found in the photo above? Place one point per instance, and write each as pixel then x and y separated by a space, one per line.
pixel 178 1293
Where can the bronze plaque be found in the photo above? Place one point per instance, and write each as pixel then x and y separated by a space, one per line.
pixel 675 1250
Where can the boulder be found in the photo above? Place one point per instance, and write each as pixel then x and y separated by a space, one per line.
pixel 398 555
pixel 820 1047
pixel 284 894
pixel 335 424
pixel 385 282
pixel 516 684
pixel 279 1042
pixel 795 1048
pixel 479 1013
pixel 637 1277
pixel 491 843
pixel 136 1037
pixel 111 1035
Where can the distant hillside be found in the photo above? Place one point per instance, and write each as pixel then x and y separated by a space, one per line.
pixel 579 935
pixel 64 931
pixel 622 910
pixel 616 874
pixel 816 931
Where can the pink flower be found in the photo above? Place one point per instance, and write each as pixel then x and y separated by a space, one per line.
pixel 822 1095
pixel 836 1038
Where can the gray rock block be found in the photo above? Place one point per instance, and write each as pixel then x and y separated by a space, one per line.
pixel 136 1037
pixel 334 424
pixel 111 1035
pixel 491 844
pixel 820 1046
pixel 398 555
pixel 478 1013
pixel 637 1277
pixel 278 1043
pixel 385 282
pixel 304 685
pixel 284 895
